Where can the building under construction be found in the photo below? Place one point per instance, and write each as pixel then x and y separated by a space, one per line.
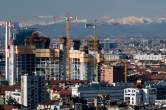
pixel 29 52
pixel 80 62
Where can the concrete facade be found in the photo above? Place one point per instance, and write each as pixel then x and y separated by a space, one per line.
pixel 79 61
pixel 148 57
pixel 140 96
pixel 112 74
pixel 32 90
pixel 92 90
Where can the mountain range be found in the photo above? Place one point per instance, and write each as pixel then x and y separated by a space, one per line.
pixel 78 30
pixel 126 26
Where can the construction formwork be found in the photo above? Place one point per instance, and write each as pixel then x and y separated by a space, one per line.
pixel 47 62
pixel 12 72
pixel 78 65
pixel 95 68
pixel 28 59
pixel 24 63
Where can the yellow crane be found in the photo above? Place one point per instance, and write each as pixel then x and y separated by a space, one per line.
pixel 67 47
pixel 94 47
pixel 68 18
pixel 95 43
pixel 95 50
pixel 125 61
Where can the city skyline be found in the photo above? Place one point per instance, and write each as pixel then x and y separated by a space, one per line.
pixel 51 60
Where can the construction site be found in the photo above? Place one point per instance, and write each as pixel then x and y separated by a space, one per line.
pixel 29 52
pixel 104 55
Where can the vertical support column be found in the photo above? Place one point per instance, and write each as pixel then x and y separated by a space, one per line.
pixel 67 48
pixel 12 77
pixel 9 31
pixel 6 53
pixel 12 74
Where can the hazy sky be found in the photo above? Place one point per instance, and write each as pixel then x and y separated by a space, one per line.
pixel 26 9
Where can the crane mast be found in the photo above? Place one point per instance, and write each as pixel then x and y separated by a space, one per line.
pixel 125 68
pixel 125 72
pixel 95 39
pixel 94 48
pixel 67 48
pixel 67 57
pixel 95 51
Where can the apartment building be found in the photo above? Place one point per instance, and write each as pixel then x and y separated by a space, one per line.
pixel 140 96
pixel 32 90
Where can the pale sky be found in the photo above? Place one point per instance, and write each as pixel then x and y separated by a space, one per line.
pixel 27 9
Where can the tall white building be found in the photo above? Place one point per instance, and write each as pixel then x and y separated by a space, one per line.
pixel 140 96
pixel 32 90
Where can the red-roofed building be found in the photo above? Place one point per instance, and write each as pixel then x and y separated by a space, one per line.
pixel 49 105
pixel 7 88
pixel 112 74
pixel 61 94
pixel 66 83
pixel 11 107
pixel 52 90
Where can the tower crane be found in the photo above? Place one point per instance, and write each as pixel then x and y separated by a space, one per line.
pixel 125 64
pixel 68 18
pixel 125 61
pixel 94 45
pixel 95 50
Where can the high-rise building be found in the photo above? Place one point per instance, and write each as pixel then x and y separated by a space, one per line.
pixel 32 90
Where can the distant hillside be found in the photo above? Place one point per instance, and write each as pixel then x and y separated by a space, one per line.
pixel 78 30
